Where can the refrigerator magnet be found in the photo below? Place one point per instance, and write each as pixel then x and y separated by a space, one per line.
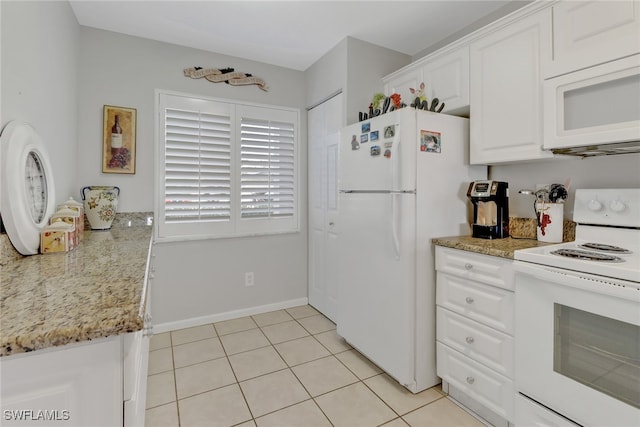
pixel 355 145
pixel 375 150
pixel 387 153
pixel 364 138
pixel 388 144
pixel 366 127
pixel 374 135
pixel 430 142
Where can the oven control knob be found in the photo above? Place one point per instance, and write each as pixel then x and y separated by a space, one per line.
pixel 617 206
pixel 594 205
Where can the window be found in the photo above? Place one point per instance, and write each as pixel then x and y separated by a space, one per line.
pixel 225 169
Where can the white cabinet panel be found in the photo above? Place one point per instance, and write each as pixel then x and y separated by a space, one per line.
pixel 587 33
pixel 486 345
pixel 506 92
pixel 491 389
pixel 447 78
pixel 78 385
pixel 487 269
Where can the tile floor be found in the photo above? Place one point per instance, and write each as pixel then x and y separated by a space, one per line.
pixel 283 368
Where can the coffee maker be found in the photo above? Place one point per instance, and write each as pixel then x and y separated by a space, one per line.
pixel 490 201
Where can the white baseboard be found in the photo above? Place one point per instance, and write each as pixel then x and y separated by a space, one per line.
pixel 202 320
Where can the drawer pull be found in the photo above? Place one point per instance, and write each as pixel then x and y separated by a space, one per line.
pixel 468 266
pixel 469 300
pixel 470 380
pixel 469 340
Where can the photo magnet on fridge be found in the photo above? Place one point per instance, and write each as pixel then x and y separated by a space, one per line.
pixel 364 138
pixel 430 142
pixel 389 131
pixel 366 127
pixel 375 150
pixel 355 145
pixel 374 135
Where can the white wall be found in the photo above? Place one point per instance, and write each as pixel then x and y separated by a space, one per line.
pixel 199 278
pixel 39 62
pixel 619 171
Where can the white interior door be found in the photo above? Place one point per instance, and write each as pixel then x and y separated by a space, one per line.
pixel 324 124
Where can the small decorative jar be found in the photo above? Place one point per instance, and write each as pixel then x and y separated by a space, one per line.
pixel 100 205
pixel 57 237
pixel 550 221
pixel 78 207
pixel 71 217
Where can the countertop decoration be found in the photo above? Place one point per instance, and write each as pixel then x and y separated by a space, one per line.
pixel 94 291
pixel 227 75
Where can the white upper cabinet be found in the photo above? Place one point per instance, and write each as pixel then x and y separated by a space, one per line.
pixel 506 91
pixel 447 78
pixel 403 81
pixel 587 33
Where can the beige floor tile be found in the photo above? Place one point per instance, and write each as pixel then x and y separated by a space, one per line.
pixel 317 324
pixel 301 350
pixel 273 391
pixel 253 363
pixel 221 407
pixel 161 389
pixel 271 318
pixel 398 422
pixel 442 412
pixel 244 341
pixel 159 341
pixel 305 414
pixel 196 352
pixel 284 332
pixel 197 333
pixel 332 341
pixel 323 375
pixel 162 416
pixel 358 364
pixel 249 423
pixel 204 376
pixel 160 360
pixel 302 311
pixel 354 406
pixel 399 398
pixel 235 325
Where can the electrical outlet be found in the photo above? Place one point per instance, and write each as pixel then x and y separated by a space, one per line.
pixel 248 279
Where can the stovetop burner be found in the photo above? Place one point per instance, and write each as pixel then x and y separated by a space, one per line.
pixel 604 248
pixel 586 255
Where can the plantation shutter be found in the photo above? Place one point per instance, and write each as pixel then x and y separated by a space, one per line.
pixel 267 170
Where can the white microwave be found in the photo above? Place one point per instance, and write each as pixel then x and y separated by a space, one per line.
pixel 595 110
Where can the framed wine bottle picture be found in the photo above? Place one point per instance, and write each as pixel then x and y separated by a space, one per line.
pixel 118 140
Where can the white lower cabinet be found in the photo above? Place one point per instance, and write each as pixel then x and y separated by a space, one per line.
pixel 475 323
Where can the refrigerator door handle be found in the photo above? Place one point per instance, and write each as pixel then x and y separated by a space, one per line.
pixel 395 224
pixel 395 166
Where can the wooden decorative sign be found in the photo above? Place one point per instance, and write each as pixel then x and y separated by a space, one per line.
pixel 227 75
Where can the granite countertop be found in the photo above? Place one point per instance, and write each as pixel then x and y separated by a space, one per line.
pixel 97 290
pixel 523 236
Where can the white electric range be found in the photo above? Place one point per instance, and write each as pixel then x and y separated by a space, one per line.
pixel 578 318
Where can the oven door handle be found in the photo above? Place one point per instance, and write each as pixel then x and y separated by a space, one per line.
pixel 589 282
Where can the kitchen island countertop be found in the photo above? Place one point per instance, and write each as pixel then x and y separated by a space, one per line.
pixel 97 290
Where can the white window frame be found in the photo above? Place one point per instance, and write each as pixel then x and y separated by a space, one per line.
pixel 236 226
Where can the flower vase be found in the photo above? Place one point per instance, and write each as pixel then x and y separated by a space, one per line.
pixel 100 205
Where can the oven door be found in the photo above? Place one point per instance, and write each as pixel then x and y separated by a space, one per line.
pixel 577 340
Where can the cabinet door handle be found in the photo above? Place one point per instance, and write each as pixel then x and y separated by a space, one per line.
pixel 469 300
pixel 468 266
pixel 470 380
pixel 469 340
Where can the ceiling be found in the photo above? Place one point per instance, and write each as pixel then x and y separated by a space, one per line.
pixel 291 34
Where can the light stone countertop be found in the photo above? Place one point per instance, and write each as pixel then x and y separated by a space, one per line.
pixel 97 290
pixel 522 230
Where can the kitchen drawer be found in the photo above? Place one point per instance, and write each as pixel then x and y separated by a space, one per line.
pixel 494 391
pixel 483 344
pixel 530 413
pixel 487 269
pixel 489 305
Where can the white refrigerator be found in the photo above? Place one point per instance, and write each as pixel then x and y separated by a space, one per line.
pixel 402 181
